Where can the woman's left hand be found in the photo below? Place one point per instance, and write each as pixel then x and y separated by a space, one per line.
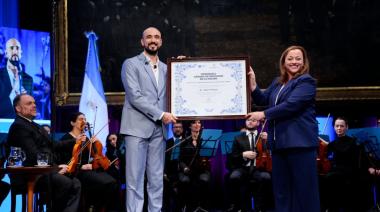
pixel 252 79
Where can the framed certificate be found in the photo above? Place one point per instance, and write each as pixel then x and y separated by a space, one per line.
pixel 208 88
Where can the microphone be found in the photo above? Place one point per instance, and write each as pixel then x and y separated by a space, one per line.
pixel 154 66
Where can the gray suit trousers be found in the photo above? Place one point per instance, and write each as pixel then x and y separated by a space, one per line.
pixel 145 155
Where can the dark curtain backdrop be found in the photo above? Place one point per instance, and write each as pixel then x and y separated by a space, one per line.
pixel 341 36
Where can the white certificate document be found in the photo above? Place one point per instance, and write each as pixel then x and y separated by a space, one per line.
pixel 210 88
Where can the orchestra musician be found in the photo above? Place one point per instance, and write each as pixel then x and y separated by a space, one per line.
pixel 99 188
pixel 194 171
pixel 115 154
pixel 347 187
pixel 243 162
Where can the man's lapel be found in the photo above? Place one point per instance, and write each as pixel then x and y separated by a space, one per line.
pixel 148 70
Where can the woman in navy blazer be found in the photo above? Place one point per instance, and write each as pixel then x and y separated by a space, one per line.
pixel 292 132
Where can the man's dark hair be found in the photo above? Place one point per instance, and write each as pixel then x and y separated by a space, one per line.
pixel 16 101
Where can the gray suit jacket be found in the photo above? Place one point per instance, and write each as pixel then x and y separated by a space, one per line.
pixel 144 100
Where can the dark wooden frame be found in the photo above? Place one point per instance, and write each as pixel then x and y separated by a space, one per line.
pixel 64 97
pixel 169 93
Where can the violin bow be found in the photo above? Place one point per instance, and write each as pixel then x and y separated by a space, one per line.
pixel 262 128
pixel 324 129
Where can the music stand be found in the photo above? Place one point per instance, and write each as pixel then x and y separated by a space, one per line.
pixel 226 141
pixel 210 142
pixel 175 150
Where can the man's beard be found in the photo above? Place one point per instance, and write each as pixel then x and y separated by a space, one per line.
pixel 14 60
pixel 151 52
pixel 251 129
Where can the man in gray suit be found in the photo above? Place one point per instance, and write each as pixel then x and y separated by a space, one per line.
pixel 142 123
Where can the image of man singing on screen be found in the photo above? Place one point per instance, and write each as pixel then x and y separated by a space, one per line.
pixel 14 80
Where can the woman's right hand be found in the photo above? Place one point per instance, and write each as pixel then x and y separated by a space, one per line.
pixel 252 79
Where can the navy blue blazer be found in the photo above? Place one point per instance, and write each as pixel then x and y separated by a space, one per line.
pixel 292 121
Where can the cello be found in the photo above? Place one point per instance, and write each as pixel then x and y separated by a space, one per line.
pixel 263 158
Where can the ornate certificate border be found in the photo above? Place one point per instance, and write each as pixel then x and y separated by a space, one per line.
pixel 208 88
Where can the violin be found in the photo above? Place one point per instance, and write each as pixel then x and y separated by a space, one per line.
pixel 77 150
pixel 99 160
pixel 263 158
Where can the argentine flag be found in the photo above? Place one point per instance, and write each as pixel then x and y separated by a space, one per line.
pixel 93 102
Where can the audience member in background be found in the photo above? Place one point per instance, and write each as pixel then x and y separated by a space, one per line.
pixel 347 181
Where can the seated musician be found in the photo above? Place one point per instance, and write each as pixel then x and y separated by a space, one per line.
pixel 100 189
pixel 194 174
pixel 32 138
pixel 116 156
pixel 171 167
pixel 346 181
pixel 243 170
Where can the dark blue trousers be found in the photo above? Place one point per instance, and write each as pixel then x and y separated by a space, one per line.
pixel 295 180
